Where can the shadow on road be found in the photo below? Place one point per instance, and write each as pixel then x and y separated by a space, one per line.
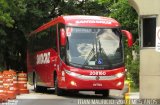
pixel 82 94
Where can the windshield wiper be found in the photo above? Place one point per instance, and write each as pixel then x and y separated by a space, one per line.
pixel 90 54
pixel 101 53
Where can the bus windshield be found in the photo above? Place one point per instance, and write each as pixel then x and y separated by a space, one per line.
pixel 94 48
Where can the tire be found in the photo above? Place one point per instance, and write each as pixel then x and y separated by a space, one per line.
pixel 105 93
pixel 38 88
pixel 58 91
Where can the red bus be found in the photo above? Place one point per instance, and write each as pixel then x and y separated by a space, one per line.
pixel 77 53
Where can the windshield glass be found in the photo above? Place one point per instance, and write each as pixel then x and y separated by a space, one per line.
pixel 94 48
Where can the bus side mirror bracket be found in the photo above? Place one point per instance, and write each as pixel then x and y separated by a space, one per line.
pixel 63 37
pixel 129 37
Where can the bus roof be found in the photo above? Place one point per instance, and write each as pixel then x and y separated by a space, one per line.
pixel 80 21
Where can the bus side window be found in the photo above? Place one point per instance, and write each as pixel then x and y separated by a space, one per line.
pixel 54 37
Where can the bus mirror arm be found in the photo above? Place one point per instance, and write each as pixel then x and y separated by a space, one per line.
pixel 129 37
pixel 63 37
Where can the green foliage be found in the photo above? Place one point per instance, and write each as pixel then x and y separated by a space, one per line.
pixel 126 15
pixel 133 72
pixel 11 44
pixel 5 18
pixel 132 65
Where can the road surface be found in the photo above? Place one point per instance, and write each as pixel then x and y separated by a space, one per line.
pixel 82 98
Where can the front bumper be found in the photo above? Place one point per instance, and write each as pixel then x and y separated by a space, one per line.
pixel 75 82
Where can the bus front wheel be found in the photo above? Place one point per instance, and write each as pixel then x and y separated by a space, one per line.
pixel 105 93
pixel 58 91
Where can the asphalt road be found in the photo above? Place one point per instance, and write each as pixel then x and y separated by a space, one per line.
pixel 82 98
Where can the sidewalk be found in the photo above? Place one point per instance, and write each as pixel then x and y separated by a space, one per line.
pixel 134 95
pixel 133 98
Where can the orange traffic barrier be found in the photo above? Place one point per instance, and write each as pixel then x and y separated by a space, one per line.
pixel 8 85
pixel 22 83
pixel 3 96
pixel 15 83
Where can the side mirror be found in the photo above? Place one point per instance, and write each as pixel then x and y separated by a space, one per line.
pixel 129 37
pixel 63 37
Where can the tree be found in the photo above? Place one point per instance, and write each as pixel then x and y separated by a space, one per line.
pixel 5 17
pixel 10 13
pixel 5 21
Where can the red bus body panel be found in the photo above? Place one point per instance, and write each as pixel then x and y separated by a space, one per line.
pixel 93 83
pixel 81 21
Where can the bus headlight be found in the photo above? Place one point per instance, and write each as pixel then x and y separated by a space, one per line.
pixel 119 83
pixel 119 75
pixel 73 83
